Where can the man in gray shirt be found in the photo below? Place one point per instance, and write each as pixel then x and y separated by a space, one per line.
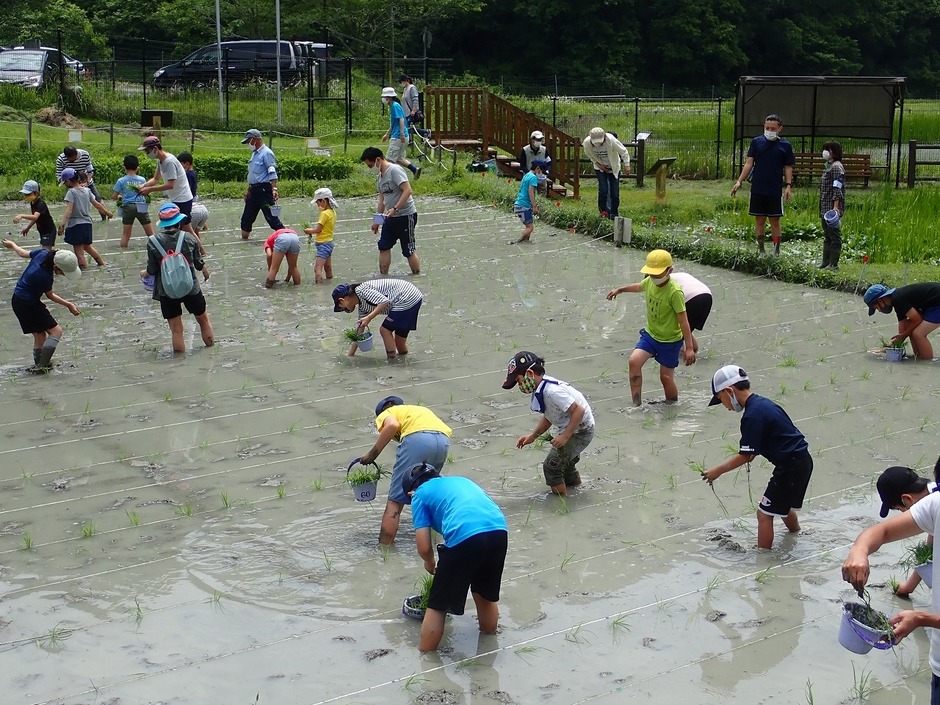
pixel 397 208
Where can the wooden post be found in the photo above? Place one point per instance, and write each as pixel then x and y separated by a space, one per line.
pixel 911 163
pixel 661 184
pixel 29 133
pixel 157 124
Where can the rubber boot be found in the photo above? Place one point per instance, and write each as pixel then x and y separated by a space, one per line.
pixel 834 258
pixel 36 352
pixel 760 246
pixel 776 248
pixel 827 254
pixel 45 359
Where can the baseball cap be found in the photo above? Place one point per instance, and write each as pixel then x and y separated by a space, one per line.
pixel 519 363
pixel 32 186
pixel 393 400
pixel 418 476
pixel 149 143
pixel 894 482
pixel 339 292
pixel 251 135
pixel 724 378
pixel 68 263
pixel 597 135
pixel 67 175
pixel 537 135
pixel 389 92
pixel 169 215
pixel 657 262
pixel 875 292
pixel 326 194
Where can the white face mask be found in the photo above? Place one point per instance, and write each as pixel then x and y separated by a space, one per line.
pixel 375 169
pixel 826 154
pixel 770 135
pixel 386 100
pixel 660 280
pixel 151 154
pixel 536 144
pixel 734 403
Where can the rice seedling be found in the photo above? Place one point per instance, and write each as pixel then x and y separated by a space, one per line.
pixel 524 651
pixel 893 584
pixel 216 599
pixel 783 390
pixel 53 640
pixel 905 393
pixel 807 386
pixel 765 576
pixel 575 636
pixel 385 550
pixel 700 469
pixel 412 681
pixel 865 376
pixel 133 517
pixel 649 422
pixel 713 583
pixel 27 477
pixel 562 506
pixel 821 358
pixel 226 499
pixel 293 427
pixel 281 492
pixel 184 510
pixel 672 481
pixel 89 529
pixel 27 542
pixel 846 405
pixel 566 559
pixel 505 480
pixel 789 361
pixel 833 377
pixel 139 612
pixel 845 329
pixel 528 516
pixel 808 691
pixel 861 684
pixel 619 625
pixel 925 422
pixel 328 562
pixel 167 397
pixel 317 484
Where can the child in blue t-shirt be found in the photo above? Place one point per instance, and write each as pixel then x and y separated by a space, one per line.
pixel 127 195
pixel 526 205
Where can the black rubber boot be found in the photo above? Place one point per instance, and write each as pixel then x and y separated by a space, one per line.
pixel 827 254
pixel 836 254
pixel 45 359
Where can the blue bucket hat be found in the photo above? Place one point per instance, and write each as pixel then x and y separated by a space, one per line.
pixel 875 292
pixel 169 215
pixel 392 400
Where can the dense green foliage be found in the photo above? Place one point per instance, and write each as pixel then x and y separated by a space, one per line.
pixel 598 45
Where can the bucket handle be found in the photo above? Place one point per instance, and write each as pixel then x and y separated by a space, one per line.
pixel 353 463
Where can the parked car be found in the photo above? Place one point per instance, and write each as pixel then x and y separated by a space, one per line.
pixel 242 61
pixel 31 68
pixel 77 66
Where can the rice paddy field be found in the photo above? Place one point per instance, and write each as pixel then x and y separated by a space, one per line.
pixel 178 529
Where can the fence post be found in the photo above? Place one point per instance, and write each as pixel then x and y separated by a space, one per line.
pixel 349 111
pixel 636 116
pixel 192 139
pixel 113 77
pixel 311 73
pixel 111 136
pixel 640 162
pixel 143 69
pixel 911 163
pixel 225 51
pixel 718 143
pixel 29 133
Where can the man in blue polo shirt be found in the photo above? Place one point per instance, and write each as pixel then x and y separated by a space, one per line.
pixel 262 185
pixel 771 160
pixel 765 430
pixel 472 556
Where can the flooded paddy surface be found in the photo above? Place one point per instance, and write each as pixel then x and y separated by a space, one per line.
pixel 178 529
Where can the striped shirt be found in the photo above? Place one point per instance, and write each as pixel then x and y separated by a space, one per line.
pixel 399 294
pixel 82 164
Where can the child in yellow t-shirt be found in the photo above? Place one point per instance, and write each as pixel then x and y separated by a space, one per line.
pixel 323 198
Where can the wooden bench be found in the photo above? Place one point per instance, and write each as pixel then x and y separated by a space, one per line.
pixel 810 165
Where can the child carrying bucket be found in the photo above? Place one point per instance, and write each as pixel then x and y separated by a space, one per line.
pixel 323 199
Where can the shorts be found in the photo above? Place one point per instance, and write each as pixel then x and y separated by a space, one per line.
pixel 199 215
pixel 560 464
pixel 932 315
pixel 697 309
pixel 47 239
pixel 129 214
pixel 525 214
pixel 787 486
pixel 770 206
pixel 396 149
pixel 325 249
pixel 402 322
pixel 399 228
pixel 475 564
pixel 666 354
pixel 186 207
pixel 429 447
pixel 173 308
pixel 33 316
pixel 79 234
pixel 287 244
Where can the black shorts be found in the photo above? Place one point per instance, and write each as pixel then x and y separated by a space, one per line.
pixel 33 316
pixel 80 234
pixel 787 486
pixel 770 206
pixel 399 228
pixel 475 564
pixel 186 208
pixel 173 308
pixel 47 239
pixel 697 309
pixel 402 322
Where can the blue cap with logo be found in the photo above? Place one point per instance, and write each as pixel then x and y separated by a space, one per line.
pixel 875 292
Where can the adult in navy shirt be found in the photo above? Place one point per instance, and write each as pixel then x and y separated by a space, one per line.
pixel 33 284
pixel 765 430
pixel 473 553
pixel 771 160
pixel 262 185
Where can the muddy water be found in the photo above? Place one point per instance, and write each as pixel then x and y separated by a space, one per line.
pixel 179 531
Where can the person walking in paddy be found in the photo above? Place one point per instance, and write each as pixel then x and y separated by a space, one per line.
pixel 323 230
pixel 526 205
pixel 397 206
pixel 76 226
pixel 399 300
pixel 126 189
pixel 262 185
pixel 771 160
pixel 36 282
pixel 38 216
pixel 397 134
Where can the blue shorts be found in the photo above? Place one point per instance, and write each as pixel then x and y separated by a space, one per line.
pixel 325 249
pixel 666 354
pixel 429 447
pixel 79 234
pixel 525 214
pixel 287 244
pixel 402 322
pixel 932 315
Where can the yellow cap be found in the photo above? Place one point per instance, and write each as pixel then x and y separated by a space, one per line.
pixel 657 262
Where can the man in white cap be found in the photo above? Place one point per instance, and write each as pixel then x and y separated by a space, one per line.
pixel 31 312
pixel 765 430
pixel 536 149
pixel 323 199
pixel 262 185
pixel 609 157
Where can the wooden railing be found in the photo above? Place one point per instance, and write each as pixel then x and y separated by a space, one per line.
pixel 466 116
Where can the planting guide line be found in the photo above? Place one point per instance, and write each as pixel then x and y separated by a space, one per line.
pixel 626 532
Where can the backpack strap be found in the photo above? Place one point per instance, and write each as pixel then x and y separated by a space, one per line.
pixel 179 241
pixel 156 243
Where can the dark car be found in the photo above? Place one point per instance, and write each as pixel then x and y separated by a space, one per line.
pixel 31 68
pixel 242 62
pixel 77 66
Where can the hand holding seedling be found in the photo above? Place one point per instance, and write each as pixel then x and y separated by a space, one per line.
pixel 855 570
pixel 560 440
pixel 906 621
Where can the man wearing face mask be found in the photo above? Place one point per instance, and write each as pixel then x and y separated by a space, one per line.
pixel 765 430
pixel 536 149
pixel 561 406
pixel 262 185
pixel 609 156
pixel 398 208
pixel 771 159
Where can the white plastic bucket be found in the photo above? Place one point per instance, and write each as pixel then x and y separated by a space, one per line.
pixel 378 219
pixel 894 354
pixel 925 571
pixel 142 206
pixel 365 492
pixel 275 211
pixel 858 638
pixel 409 607
pixel 832 218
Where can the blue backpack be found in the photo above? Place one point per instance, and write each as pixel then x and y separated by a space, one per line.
pixel 176 275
